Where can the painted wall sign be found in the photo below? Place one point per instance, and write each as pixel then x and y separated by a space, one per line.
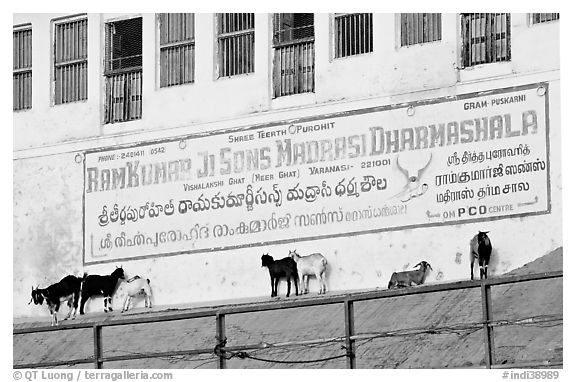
pixel 448 161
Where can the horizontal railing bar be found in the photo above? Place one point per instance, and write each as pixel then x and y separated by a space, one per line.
pixel 125 321
pixel 241 32
pixel 125 357
pixel 128 357
pixel 52 363
pixel 27 69
pixel 71 62
pixel 527 365
pixel 299 303
pixel 524 278
pixel 370 295
pixel 179 43
pixel 300 41
pixel 264 345
pixel 118 72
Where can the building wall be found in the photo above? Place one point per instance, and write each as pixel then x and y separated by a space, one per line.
pixel 49 174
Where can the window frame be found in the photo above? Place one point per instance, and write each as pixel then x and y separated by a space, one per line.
pixel 23 69
pixel 334 29
pixel 219 34
pixel 133 74
pixel 462 39
pixel 107 59
pixel 400 29
pixel 283 52
pixel 54 24
pixel 190 42
pixel 531 17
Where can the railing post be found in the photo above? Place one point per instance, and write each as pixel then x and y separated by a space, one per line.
pixel 221 338
pixel 488 330
pixel 97 331
pixel 349 327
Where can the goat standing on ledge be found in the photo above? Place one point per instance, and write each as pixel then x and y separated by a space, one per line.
pixel 481 249
pixel 407 278
pixel 314 264
pixel 285 267
pixel 67 289
pixel 96 285
pixel 134 287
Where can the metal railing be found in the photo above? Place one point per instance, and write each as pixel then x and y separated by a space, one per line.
pixel 347 300
pixel 353 34
pixel 294 68
pixel 123 96
pixel 486 38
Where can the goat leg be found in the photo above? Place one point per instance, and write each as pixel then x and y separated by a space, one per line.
pixel 149 295
pixel 319 278
pixel 276 281
pixel 272 286
pixel 70 307
pixel 82 303
pixel 323 277
pixel 296 283
pixel 126 304
pixel 289 284
pixel 110 304
pixel 484 272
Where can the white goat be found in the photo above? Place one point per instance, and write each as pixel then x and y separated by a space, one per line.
pixel 134 287
pixel 314 264
pixel 407 278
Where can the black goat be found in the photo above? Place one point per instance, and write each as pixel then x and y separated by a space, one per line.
pixel 67 289
pixel 481 249
pixel 285 267
pixel 96 285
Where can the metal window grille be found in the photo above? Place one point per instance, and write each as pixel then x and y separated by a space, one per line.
pixel 418 28
pixel 235 43
pixel 177 48
pixel 486 38
pixel 22 69
pixel 293 53
pixel 71 61
pixel 544 17
pixel 123 70
pixel 353 34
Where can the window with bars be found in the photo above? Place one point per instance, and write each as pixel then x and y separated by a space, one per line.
pixel 486 38
pixel 176 48
pixel 353 34
pixel 70 61
pixel 293 44
pixel 123 70
pixel 544 17
pixel 235 43
pixel 22 68
pixel 419 28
